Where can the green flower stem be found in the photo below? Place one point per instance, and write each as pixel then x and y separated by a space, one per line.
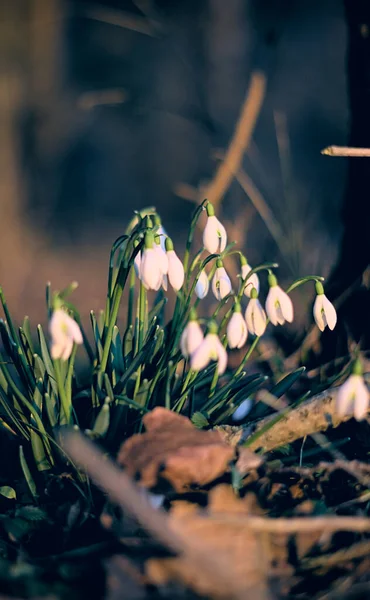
pixel 68 381
pixel 64 400
pixel 189 241
pixel 247 356
pixel 121 280
pixel 143 317
pixel 214 383
pixel 131 297
pixel 303 280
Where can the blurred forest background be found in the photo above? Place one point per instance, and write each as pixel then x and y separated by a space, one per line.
pixel 113 106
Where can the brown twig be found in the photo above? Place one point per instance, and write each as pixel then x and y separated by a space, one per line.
pixel 241 138
pixel 297 525
pixel 358 550
pixel 229 167
pixel 313 415
pixel 346 151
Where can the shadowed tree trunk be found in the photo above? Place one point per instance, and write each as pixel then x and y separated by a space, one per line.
pixel 347 280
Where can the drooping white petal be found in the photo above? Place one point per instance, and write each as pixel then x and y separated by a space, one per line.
pixel 191 338
pixel 176 273
pixel 221 355
pixel 286 305
pixel 67 350
pixel 236 331
pixel 214 235
pixel 210 349
pixel 162 258
pixel 255 317
pixel 252 281
pixel 361 405
pixel 74 330
pixel 221 284
pixel 151 272
pixel 202 285
pixel 137 264
pixel 202 355
pixel 329 312
pixel 318 312
pixel 353 397
pixel 64 332
pixel 279 307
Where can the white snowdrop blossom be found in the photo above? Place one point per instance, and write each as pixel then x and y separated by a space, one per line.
pixel 255 316
pixel 176 274
pixel 151 273
pixel 353 395
pixel 214 234
pixel 210 349
pixel 161 254
pixel 236 331
pixel 202 285
pixel 279 307
pixel 323 311
pixel 221 284
pixel 64 333
pixel 191 337
pixel 252 281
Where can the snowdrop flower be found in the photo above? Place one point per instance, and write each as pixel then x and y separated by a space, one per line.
pixel 210 349
pixel 252 281
pixel 255 316
pixel 221 284
pixel 236 330
pixel 202 285
pixel 151 273
pixel 353 395
pixel 192 336
pixel 176 273
pixel 64 333
pixel 214 234
pixel 279 306
pixel 323 310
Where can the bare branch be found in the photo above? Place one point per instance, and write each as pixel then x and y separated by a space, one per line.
pixel 346 151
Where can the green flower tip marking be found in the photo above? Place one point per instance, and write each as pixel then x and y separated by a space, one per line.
pixel 169 244
pixel 254 293
pixel 319 288
pixel 193 315
pixel 237 307
pixel 272 281
pixel 212 327
pixel 149 240
pixel 210 210
pixel 357 367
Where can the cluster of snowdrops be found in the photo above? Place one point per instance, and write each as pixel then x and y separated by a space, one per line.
pixel 157 266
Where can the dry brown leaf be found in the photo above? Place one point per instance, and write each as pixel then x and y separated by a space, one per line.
pixel 243 554
pixel 174 450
